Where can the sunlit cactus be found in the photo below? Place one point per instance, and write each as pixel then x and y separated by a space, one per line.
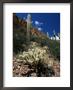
pixel 54 34
pixel 47 34
pixel 28 28
pixel 59 35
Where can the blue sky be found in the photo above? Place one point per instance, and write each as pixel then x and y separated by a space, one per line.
pixel 45 22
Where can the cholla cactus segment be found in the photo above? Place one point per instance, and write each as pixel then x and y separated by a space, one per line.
pixel 36 53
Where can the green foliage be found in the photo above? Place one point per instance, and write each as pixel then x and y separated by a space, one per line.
pixel 19 38
pixel 35 38
pixel 55 48
pixel 53 45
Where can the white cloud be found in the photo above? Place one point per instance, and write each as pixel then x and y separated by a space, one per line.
pixel 39 29
pixel 36 22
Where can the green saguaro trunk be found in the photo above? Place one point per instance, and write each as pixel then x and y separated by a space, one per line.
pixel 28 30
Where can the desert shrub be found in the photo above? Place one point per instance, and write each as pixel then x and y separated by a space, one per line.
pixel 55 48
pixel 35 38
pixel 19 38
pixel 44 42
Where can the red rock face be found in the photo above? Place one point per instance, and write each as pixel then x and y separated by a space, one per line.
pixel 35 31
pixel 23 23
pixel 19 22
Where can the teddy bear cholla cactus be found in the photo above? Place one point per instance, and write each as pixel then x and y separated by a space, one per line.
pixel 37 57
pixel 34 54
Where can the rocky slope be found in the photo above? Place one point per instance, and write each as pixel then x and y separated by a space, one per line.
pixel 37 62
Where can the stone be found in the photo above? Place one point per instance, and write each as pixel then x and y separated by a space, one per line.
pixel 33 75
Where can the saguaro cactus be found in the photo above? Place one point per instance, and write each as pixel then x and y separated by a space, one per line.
pixel 59 35
pixel 47 34
pixel 28 28
pixel 54 34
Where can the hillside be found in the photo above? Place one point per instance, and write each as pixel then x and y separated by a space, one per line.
pixel 39 58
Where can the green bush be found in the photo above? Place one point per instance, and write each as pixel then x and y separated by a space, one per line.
pixel 55 48
pixel 19 38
